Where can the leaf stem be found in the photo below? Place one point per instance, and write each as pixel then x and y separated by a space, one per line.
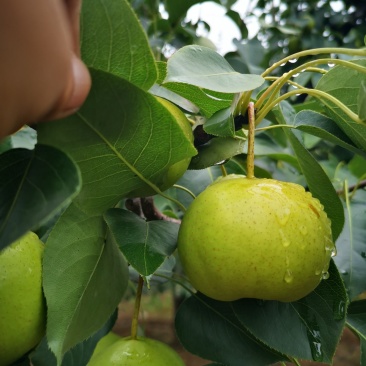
pixel 223 170
pixel 316 93
pixel 316 51
pixel 179 204
pixel 272 127
pixel 295 361
pixel 177 282
pixel 135 318
pixel 285 78
pixel 251 127
pixel 185 189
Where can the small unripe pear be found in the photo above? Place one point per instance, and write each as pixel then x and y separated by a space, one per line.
pixel 255 238
pixel 137 352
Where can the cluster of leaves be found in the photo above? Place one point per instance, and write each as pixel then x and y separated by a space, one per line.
pixel 71 179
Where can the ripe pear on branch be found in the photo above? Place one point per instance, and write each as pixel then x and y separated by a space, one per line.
pixel 244 237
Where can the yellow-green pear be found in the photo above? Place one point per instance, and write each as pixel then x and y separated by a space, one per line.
pixel 22 306
pixel 168 177
pixel 137 352
pixel 255 238
pixel 104 342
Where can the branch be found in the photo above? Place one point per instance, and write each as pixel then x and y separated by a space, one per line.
pixel 134 205
pixel 361 184
pixel 152 213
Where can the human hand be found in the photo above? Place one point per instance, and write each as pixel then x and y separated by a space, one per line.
pixel 41 74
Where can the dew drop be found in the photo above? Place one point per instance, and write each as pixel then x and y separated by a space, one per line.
pixel 283 64
pixel 333 252
pixel 315 344
pixel 285 241
pixel 344 272
pixel 331 64
pixel 289 277
pixel 339 310
pixel 325 275
pixel 363 254
pixel 296 75
pixel 293 60
pixel 318 272
pixel 221 162
pixel 283 216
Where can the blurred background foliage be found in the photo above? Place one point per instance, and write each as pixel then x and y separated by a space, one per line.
pixel 261 33
pixel 272 29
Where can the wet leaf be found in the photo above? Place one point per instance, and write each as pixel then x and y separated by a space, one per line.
pixel 84 278
pixel 122 139
pixel 351 245
pixel 216 334
pixel 113 40
pixel 145 244
pixel 35 185
pixel 205 68
pixel 309 328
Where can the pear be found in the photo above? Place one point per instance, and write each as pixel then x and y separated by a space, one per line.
pixel 137 352
pixel 255 238
pixel 22 306
pixel 171 175
pixel 104 342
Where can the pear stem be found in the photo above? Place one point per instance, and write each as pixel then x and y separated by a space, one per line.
pixel 223 171
pixel 250 155
pixel 135 318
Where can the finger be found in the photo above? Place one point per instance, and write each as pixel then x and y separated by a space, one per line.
pixel 75 96
pixel 73 10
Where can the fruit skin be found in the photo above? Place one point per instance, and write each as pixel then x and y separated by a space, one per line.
pixel 104 342
pixel 22 306
pixel 141 352
pixel 172 174
pixel 255 238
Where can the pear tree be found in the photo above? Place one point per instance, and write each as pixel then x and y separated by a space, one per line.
pixel 239 180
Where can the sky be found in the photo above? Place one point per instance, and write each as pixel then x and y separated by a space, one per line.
pixel 223 29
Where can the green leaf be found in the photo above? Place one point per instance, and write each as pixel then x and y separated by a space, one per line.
pixel 319 125
pixel 35 185
pixel 205 68
pixel 357 166
pixel 318 181
pixel 123 140
pixel 214 333
pixel 207 101
pixel 319 184
pixel 221 124
pixel 266 147
pixel 356 320
pixel 84 278
pixel 196 181
pixel 145 244
pixel 309 328
pixel 351 248
pixel 182 102
pixel 190 97
pixel 252 53
pixel 361 101
pixel 344 84
pixel 217 151
pixel 113 40
pixel 178 9
pixel 77 356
